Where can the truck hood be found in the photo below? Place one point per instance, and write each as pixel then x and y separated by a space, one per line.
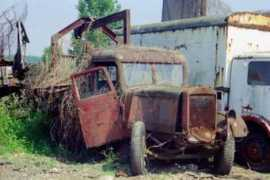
pixel 156 91
pixel 157 106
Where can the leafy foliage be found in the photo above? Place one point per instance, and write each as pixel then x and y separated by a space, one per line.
pixel 47 53
pixel 97 8
pixel 21 129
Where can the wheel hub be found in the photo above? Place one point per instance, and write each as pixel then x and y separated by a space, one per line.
pixel 254 152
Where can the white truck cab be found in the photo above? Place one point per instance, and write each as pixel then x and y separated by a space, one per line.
pixel 250 84
pixel 249 95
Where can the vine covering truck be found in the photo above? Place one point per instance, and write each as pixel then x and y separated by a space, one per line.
pixel 229 54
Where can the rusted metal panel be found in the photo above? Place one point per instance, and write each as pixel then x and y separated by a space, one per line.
pixel 138 55
pixel 250 21
pixel 202 117
pixel 238 127
pixel 159 113
pixel 84 24
pixel 199 114
pixel 100 114
pixel 100 120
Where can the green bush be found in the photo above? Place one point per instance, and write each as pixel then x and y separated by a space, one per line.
pixel 22 129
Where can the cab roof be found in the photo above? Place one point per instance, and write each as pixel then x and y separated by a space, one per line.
pixel 130 54
pixel 254 55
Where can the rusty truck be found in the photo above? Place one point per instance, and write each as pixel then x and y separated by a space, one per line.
pixel 229 54
pixel 142 94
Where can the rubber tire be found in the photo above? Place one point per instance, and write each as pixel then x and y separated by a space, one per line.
pixel 137 149
pixel 263 141
pixel 224 159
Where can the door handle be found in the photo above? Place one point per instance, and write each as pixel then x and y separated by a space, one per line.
pixel 246 108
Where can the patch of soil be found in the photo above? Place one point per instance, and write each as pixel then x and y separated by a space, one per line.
pixel 13 167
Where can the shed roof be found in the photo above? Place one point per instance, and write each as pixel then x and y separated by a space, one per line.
pixel 250 20
pixel 138 55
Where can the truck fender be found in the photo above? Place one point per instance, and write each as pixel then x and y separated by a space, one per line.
pixel 258 122
pixel 237 125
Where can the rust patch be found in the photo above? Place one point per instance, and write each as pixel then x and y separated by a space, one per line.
pixel 202 122
pixel 199 113
pixel 100 114
pixel 250 21
pixel 238 127
pixel 133 54
pixel 158 113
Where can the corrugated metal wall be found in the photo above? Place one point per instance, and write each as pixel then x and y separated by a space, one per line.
pixel 203 47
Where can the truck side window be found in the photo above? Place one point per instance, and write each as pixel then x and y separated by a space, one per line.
pixel 113 74
pixel 93 84
pixel 112 70
pixel 259 73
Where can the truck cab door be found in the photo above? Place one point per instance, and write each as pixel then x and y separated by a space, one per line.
pixel 250 86
pixel 99 107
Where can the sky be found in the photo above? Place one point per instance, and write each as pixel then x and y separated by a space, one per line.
pixel 46 17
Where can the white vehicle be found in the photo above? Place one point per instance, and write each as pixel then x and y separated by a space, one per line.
pixel 230 54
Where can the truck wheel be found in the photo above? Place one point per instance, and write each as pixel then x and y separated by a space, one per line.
pixel 256 152
pixel 223 160
pixel 137 149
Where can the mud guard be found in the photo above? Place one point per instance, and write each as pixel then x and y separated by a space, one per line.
pixel 258 120
pixel 238 127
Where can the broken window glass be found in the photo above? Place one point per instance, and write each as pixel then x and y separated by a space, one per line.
pixel 169 74
pixel 153 74
pixel 259 73
pixel 92 84
pixel 138 74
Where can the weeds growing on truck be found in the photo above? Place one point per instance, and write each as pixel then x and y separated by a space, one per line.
pixel 142 93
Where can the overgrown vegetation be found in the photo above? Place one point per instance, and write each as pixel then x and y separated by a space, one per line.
pixel 22 129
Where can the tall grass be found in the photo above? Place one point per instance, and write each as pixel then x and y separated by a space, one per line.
pixel 22 129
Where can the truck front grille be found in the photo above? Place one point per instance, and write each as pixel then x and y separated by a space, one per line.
pixel 202 122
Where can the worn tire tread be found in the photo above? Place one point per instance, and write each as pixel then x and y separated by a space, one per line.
pixel 136 151
pixel 265 167
pixel 225 158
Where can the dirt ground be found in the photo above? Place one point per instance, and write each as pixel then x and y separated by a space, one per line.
pixel 25 166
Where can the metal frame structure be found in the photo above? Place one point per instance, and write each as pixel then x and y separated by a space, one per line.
pixel 84 24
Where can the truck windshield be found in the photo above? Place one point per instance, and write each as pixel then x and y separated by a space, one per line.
pixel 258 73
pixel 149 74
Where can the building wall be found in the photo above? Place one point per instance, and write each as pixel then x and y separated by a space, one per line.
pixel 179 9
